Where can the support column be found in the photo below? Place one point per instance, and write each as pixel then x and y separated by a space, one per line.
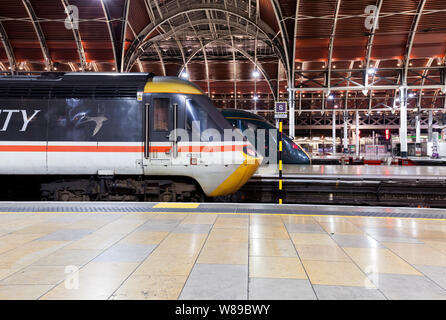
pixel 334 133
pixel 417 129
pixel 291 105
pixel 358 141
pixel 403 122
pixel 431 121
pixel 345 132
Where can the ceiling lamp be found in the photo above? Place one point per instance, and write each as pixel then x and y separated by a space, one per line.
pixel 185 75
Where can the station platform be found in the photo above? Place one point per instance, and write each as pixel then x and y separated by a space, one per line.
pixel 357 172
pixel 220 251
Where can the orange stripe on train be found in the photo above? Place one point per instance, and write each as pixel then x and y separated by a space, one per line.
pixel 123 149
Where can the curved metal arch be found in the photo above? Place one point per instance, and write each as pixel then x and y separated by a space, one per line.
pixel 192 24
pixel 332 38
pixel 77 37
pixel 38 29
pixel 413 31
pixel 160 56
pixel 284 33
pixel 260 24
pixel 8 48
pixel 425 73
pixel 243 52
pixel 296 22
pixel 117 44
pixel 371 39
pixel 195 23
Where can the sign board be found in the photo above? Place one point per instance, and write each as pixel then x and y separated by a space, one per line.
pixel 281 110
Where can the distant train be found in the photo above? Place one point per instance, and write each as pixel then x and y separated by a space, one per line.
pixel 243 120
pixel 91 137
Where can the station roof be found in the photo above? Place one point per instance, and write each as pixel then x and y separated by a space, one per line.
pixel 221 42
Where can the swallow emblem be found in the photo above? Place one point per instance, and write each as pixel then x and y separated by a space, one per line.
pixel 99 123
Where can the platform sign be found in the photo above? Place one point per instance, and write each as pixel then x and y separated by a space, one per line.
pixel 281 110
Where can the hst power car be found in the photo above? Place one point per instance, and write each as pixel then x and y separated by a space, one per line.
pixel 133 137
pixel 243 120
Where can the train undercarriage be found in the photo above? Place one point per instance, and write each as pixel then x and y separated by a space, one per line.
pixel 95 188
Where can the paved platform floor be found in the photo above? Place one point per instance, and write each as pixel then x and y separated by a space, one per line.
pixel 219 256
pixel 366 172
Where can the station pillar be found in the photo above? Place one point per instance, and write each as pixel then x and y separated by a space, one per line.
pixel 357 138
pixel 403 122
pixel 346 132
pixel 292 114
pixel 417 129
pixel 334 133
pixel 431 121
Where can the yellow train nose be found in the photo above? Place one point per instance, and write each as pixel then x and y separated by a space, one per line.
pixel 239 177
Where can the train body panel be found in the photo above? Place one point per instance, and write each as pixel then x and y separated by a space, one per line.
pixel 129 125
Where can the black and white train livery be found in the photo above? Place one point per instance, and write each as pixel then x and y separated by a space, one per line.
pixel 94 137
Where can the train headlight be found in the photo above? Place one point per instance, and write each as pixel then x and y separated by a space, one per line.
pixel 250 151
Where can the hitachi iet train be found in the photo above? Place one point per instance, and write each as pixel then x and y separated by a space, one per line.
pixel 94 137
pixel 244 120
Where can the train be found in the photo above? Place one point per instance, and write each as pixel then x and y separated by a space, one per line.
pixel 244 120
pixel 117 137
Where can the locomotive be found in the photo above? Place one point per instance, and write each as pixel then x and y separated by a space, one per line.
pixel 117 137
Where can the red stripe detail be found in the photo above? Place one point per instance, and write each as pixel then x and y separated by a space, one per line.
pixel 22 148
pixel 196 149
pixel 210 148
pixel 95 149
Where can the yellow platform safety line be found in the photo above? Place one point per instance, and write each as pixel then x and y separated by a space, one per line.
pixel 280 184
pixel 280 126
pixel 175 205
pixel 280 165
pixel 280 146
pixel 218 213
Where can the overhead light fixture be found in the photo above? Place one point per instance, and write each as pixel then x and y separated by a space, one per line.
pixel 184 75
pixel 371 71
pixel 256 74
pixel 411 95
pixel 330 97
pixel 255 98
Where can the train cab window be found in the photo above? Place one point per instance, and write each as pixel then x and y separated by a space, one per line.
pixel 161 114
pixel 198 120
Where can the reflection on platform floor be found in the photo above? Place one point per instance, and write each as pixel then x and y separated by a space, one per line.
pixel 402 172
pixel 215 256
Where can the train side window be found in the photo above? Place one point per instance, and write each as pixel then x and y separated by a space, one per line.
pixel 198 119
pixel 161 114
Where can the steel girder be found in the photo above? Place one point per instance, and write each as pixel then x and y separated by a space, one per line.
pixel 77 36
pixel 40 36
pixel 243 52
pixel 118 45
pixel 131 54
pixel 8 48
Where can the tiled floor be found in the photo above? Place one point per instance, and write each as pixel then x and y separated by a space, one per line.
pixel 220 256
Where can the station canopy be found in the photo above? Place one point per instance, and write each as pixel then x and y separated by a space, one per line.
pixel 334 53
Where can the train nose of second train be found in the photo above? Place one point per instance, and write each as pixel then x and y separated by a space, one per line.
pixel 241 175
pixel 299 155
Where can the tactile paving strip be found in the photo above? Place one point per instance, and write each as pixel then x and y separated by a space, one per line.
pixel 233 209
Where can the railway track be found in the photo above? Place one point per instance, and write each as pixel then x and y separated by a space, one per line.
pixel 346 191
